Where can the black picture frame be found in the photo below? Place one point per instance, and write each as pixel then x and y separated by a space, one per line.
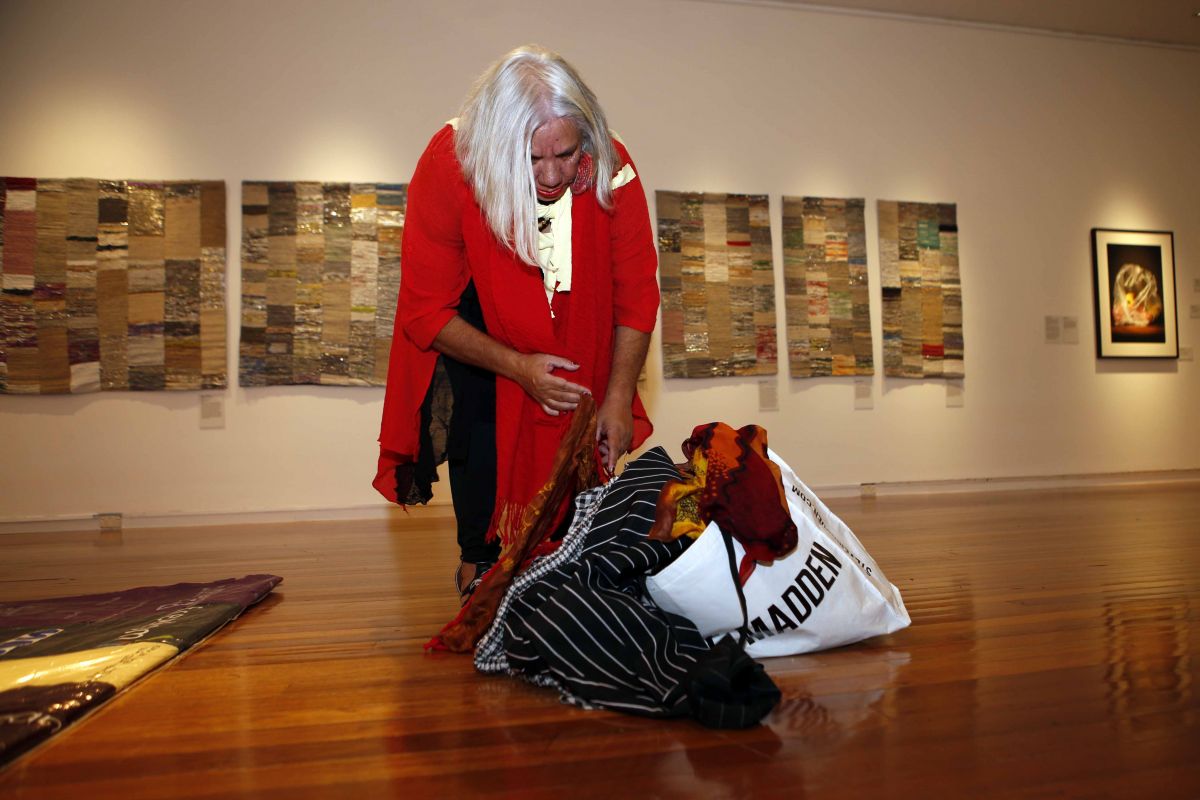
pixel 1133 280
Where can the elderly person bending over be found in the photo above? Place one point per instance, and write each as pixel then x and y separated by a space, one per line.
pixel 527 280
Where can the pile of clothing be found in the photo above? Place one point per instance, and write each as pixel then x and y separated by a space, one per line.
pixel 578 618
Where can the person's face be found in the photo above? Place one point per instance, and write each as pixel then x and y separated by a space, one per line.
pixel 555 152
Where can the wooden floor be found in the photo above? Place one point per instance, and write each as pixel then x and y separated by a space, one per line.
pixel 1054 652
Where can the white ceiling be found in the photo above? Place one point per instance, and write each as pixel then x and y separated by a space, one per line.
pixel 1164 22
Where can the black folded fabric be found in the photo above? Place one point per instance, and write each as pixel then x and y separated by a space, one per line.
pixel 728 689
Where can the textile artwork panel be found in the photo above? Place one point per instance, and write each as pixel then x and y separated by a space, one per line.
pixel 111 285
pixel 62 657
pixel 826 291
pixel 718 284
pixel 922 294
pixel 320 277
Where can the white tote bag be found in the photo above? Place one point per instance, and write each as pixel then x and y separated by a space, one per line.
pixel 825 593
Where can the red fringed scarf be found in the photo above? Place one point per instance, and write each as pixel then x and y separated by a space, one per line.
pixel 575 470
pixel 447 244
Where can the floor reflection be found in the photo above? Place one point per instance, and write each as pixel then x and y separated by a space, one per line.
pixel 838 715
pixel 798 743
pixel 1150 663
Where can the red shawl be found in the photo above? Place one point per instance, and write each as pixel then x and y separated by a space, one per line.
pixel 446 244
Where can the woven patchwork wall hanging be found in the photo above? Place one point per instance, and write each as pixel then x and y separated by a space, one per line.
pixel 320 277
pixel 111 285
pixel 922 294
pixel 825 287
pixel 718 284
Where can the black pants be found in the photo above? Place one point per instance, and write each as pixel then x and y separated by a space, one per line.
pixel 471 444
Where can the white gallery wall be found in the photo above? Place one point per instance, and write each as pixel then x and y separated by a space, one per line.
pixel 1037 138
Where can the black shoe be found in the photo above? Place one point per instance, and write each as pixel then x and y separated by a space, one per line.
pixel 465 591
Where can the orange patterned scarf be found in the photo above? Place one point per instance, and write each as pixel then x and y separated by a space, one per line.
pixel 729 480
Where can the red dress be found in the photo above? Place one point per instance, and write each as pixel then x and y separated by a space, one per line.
pixel 446 244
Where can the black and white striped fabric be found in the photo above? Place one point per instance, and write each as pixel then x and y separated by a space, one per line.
pixel 580 620
pixel 598 641
pixel 619 510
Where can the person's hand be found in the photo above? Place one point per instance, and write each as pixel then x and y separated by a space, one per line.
pixel 536 376
pixel 614 432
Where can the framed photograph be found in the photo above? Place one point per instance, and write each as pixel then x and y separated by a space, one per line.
pixel 1134 277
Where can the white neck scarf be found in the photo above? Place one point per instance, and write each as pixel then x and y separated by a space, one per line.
pixel 554 245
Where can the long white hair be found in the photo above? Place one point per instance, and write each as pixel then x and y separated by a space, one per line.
pixel 515 96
